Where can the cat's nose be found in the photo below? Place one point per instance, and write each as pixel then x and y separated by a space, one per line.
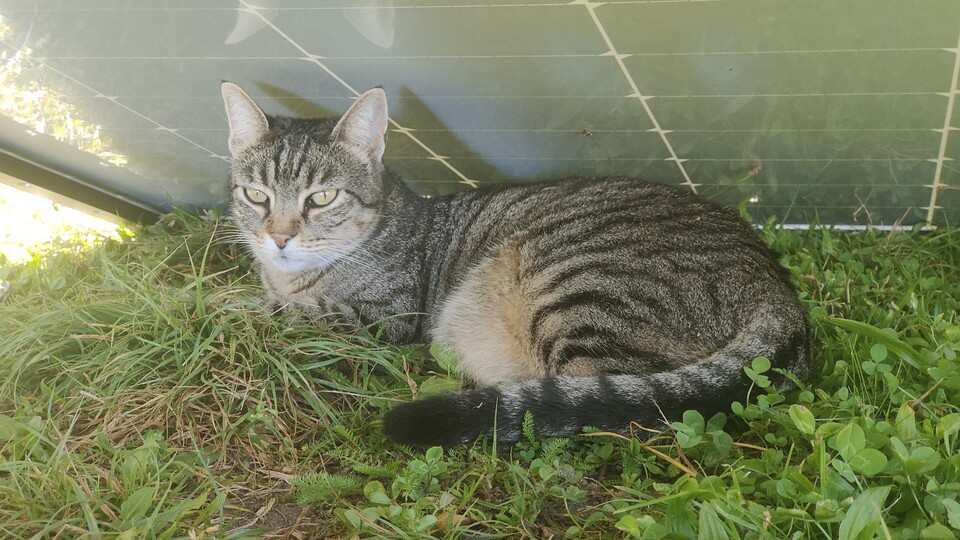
pixel 281 239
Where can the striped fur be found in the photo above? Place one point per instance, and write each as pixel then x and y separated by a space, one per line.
pixel 588 301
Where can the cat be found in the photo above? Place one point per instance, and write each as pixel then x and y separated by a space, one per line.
pixel 602 302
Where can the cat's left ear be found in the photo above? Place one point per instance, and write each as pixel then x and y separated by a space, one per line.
pixel 364 125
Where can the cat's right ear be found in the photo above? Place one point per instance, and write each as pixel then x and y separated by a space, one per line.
pixel 364 125
pixel 247 121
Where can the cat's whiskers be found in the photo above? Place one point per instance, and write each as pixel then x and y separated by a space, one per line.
pixel 376 252
pixel 352 256
pixel 229 233
pixel 366 252
pixel 232 239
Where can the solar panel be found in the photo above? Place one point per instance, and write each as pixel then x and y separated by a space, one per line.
pixel 839 112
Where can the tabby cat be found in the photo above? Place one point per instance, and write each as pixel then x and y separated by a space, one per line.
pixel 588 302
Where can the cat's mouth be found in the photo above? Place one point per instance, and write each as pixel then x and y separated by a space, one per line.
pixel 296 258
pixel 288 260
pixel 286 263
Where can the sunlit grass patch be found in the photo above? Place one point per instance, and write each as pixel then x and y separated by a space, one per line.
pixel 29 222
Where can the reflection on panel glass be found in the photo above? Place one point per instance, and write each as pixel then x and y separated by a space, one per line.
pixel 42 110
pixel 836 112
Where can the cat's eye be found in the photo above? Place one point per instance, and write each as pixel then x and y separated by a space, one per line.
pixel 255 196
pixel 321 198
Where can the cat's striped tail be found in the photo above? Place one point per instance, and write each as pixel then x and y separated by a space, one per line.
pixel 562 406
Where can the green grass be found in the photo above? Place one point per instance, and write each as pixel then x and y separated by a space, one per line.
pixel 144 392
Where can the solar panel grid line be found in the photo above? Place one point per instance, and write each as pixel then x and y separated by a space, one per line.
pixel 798 94
pixel 695 160
pixel 680 130
pixel 317 60
pixel 495 56
pixel 114 100
pixel 585 97
pixel 951 95
pixel 591 9
pixel 343 7
pixel 600 130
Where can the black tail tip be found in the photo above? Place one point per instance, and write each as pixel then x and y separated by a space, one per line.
pixel 400 424
pixel 417 423
pixel 443 420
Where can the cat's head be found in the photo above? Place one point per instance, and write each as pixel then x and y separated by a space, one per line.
pixel 305 192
